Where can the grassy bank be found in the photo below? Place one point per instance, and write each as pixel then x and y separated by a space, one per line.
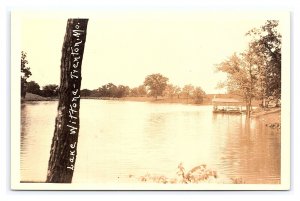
pixel 206 101
pixel 34 97
pixel 270 117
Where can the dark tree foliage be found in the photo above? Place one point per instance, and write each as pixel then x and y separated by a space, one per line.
pixel 256 73
pixel 50 90
pixel 187 91
pixel 198 95
pixel 156 84
pixel 171 91
pixel 33 87
pixel 25 73
pixel 266 42
pixel 122 91
pixel 108 90
pixel 138 91
pixel 85 92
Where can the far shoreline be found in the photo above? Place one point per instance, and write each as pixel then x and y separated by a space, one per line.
pixel 270 116
pixel 207 101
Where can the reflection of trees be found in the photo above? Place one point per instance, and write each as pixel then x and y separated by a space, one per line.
pixel 23 126
pixel 249 149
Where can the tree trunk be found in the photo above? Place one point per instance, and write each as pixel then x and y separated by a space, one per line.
pixel 23 88
pixel 65 139
pixel 248 109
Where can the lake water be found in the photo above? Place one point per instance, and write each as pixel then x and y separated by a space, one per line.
pixel 119 141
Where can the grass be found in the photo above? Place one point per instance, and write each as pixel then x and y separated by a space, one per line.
pixel 33 97
pixel 271 117
pixel 198 174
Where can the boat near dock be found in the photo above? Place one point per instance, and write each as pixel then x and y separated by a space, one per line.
pixel 227 106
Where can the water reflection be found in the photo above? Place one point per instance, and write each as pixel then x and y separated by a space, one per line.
pixel 37 120
pixel 118 139
pixel 250 150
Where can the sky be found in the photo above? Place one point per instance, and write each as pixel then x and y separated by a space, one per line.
pixel 125 46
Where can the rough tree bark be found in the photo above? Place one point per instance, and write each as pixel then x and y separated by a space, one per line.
pixel 65 139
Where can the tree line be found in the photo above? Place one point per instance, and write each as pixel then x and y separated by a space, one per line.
pixel 256 72
pixel 155 85
pixel 50 90
pixel 252 74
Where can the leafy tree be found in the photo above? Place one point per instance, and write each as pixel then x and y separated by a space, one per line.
pixel 142 91
pixel 241 71
pixel 187 91
pixel 134 92
pixel 108 90
pixel 96 93
pixel 266 43
pixel 25 73
pixel 127 91
pixel 156 83
pixel 121 91
pixel 170 91
pixel 138 91
pixel 85 92
pixel 256 73
pixel 50 90
pixel 177 91
pixel 33 87
pixel 198 95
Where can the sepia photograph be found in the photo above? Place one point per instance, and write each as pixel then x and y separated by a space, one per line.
pixel 150 100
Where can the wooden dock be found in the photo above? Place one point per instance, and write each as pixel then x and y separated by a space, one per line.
pixel 227 106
